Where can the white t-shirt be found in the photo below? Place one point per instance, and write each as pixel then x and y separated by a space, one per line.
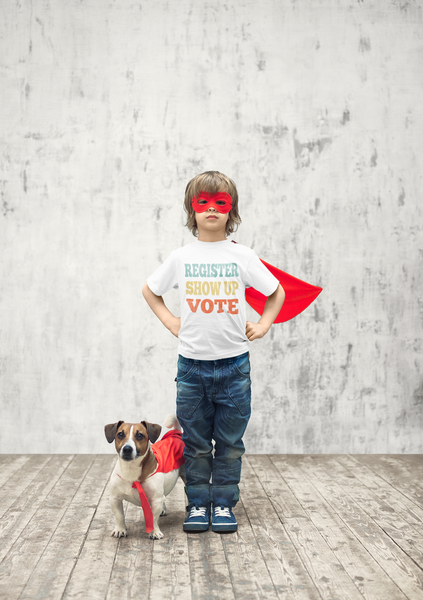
pixel 212 277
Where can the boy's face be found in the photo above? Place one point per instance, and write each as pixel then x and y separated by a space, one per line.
pixel 211 221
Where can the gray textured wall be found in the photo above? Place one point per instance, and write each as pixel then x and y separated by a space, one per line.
pixel 314 108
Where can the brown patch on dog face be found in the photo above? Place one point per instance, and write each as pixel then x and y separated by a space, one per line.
pixel 139 437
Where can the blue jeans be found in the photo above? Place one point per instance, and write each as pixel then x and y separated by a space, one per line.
pixel 213 402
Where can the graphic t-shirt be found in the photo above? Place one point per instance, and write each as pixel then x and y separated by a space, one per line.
pixel 212 277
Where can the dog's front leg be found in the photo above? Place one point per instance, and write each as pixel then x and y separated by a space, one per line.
pixel 156 508
pixel 117 508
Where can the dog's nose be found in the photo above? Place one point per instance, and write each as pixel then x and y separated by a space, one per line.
pixel 127 449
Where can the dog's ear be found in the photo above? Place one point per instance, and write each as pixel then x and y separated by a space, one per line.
pixel 110 430
pixel 153 430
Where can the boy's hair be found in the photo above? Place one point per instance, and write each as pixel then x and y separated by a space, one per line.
pixel 211 182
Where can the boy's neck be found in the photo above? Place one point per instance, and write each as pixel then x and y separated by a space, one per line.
pixel 210 236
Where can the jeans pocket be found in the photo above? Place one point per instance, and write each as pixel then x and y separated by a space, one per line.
pixel 185 367
pixel 242 365
pixel 189 392
pixel 239 386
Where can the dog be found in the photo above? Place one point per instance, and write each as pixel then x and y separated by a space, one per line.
pixel 145 470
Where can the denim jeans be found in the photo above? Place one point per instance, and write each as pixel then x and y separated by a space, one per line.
pixel 213 403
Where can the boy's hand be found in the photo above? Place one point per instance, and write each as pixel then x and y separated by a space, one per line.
pixel 175 326
pixel 254 331
pixel 274 303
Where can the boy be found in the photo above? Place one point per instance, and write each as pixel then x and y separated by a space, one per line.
pixel 213 381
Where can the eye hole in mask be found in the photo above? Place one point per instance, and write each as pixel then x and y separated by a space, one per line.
pixel 221 201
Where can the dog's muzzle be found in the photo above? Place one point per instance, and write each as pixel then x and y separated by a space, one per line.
pixel 128 453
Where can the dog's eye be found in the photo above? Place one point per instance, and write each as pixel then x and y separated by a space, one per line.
pixel 139 435
pixel 121 435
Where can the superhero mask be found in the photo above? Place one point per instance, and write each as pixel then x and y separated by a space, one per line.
pixel 221 201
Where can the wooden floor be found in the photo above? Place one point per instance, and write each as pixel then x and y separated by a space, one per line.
pixel 334 527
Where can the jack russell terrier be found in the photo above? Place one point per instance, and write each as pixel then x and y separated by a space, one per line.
pixel 145 472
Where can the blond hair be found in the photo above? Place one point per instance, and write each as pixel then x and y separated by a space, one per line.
pixel 211 182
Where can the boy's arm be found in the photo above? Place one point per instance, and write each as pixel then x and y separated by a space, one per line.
pixel 159 308
pixel 272 308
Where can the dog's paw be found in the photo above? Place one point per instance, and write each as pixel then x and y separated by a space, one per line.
pixel 118 532
pixel 156 535
pixel 164 511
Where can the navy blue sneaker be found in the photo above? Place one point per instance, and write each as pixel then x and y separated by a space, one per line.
pixel 198 519
pixel 223 519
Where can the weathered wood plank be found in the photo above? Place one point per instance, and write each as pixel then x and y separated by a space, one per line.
pixel 364 571
pixel 51 574
pixel 19 563
pixel 15 519
pixel 247 567
pixel 10 463
pixel 404 507
pixel 92 570
pixel 210 578
pixel 171 570
pixel 405 535
pixel 329 575
pixel 19 480
pixel 414 460
pixel 397 473
pixel 287 571
pixel 398 567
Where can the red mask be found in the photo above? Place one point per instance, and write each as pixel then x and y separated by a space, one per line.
pixel 221 201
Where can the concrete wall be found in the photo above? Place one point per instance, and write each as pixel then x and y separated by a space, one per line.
pixel 314 108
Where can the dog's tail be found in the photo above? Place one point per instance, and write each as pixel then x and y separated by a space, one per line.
pixel 171 422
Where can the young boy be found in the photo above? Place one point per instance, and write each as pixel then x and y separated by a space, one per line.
pixel 213 381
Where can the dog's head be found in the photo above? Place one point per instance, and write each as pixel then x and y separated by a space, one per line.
pixel 131 439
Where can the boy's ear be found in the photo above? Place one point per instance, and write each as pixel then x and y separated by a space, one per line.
pixel 110 430
pixel 153 430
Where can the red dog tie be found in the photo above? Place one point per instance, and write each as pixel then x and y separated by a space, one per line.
pixel 148 513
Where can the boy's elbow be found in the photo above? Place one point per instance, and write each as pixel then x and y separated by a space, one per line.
pixel 280 295
pixel 146 291
pixel 149 295
pixel 279 292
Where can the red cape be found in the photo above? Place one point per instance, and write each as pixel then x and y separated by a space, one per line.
pixel 298 295
pixel 169 451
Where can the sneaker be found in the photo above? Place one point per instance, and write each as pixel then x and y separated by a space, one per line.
pixel 223 519
pixel 198 519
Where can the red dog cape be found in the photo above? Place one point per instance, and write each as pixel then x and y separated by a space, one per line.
pixel 298 294
pixel 169 452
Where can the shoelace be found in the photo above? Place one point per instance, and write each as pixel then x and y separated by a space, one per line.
pixel 223 511
pixel 198 511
